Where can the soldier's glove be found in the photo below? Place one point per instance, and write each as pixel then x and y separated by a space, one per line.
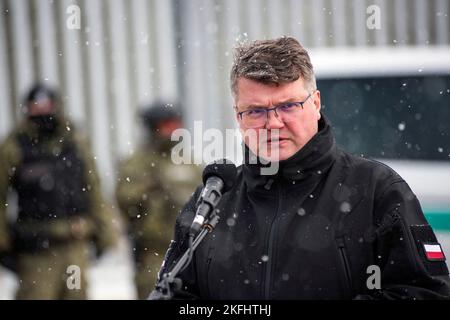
pixel 79 228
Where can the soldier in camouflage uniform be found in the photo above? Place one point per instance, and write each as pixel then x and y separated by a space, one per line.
pixel 60 210
pixel 151 191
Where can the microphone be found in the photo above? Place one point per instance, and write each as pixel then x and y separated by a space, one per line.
pixel 218 178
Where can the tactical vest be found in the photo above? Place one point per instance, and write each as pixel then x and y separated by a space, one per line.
pixel 50 184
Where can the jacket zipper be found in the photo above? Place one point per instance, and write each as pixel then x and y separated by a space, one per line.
pixel 346 265
pixel 270 249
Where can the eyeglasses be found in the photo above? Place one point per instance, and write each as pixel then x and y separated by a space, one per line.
pixel 257 117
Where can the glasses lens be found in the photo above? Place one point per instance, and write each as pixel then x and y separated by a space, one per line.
pixel 289 112
pixel 254 118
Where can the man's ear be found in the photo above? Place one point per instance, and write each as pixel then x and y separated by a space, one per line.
pixel 317 103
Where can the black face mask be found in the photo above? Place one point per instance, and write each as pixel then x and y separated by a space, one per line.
pixel 46 124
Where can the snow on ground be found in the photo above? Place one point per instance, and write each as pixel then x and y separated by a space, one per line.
pixel 111 277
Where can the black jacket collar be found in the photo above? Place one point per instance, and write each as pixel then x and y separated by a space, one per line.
pixel 309 164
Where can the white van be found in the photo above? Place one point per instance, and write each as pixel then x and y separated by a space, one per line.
pixel 393 104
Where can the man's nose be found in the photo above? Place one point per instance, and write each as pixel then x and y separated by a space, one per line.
pixel 273 121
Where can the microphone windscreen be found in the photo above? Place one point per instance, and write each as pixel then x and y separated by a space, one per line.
pixel 224 169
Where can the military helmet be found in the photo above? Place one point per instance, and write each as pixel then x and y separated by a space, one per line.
pixel 40 91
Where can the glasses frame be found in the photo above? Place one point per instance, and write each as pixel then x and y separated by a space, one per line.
pixel 274 109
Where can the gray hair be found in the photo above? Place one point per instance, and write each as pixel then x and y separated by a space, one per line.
pixel 274 61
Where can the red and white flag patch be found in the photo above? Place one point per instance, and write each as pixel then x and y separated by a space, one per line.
pixel 433 252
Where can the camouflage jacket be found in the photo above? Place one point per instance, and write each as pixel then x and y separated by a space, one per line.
pixel 151 192
pixel 97 224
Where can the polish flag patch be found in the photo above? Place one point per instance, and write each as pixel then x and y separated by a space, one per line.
pixel 433 252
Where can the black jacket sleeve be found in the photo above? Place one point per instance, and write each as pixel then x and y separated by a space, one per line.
pixel 406 271
pixel 187 278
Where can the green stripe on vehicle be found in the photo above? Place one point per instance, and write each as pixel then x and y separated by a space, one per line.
pixel 439 220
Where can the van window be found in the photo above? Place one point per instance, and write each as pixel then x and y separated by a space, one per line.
pixel 390 117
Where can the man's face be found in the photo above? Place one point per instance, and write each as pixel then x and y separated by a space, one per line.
pixel 165 128
pixel 283 138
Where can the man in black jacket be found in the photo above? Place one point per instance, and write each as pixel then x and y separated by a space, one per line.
pixel 326 224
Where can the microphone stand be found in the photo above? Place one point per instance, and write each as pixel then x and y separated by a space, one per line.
pixel 169 280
